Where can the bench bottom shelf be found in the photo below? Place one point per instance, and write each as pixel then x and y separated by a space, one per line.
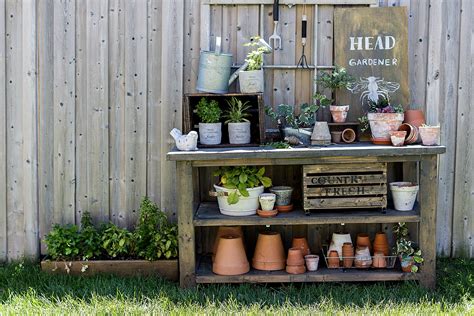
pixel 204 274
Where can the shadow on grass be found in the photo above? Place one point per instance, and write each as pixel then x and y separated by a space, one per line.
pixel 455 283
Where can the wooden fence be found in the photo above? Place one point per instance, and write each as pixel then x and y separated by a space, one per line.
pixel 90 90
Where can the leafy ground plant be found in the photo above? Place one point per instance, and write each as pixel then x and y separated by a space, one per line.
pixel 117 242
pixel 64 242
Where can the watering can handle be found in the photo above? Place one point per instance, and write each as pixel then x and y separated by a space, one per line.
pixel 218 45
pixel 236 73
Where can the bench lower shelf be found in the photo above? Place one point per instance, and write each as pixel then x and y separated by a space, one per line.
pixel 204 274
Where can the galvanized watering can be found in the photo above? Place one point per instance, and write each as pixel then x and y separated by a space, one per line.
pixel 215 69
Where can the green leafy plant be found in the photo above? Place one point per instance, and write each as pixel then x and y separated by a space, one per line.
pixel 241 178
pixel 208 111
pixel 165 242
pixel 89 238
pixel 277 145
pixel 383 105
pixel 364 123
pixel 285 116
pixel 237 112
pixel 255 57
pixel 406 248
pixel 116 241
pixel 337 79
pixel 63 242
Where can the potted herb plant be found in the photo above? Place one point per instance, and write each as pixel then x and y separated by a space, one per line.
pixel 236 119
pixel 239 188
pixel 383 118
pixel 251 79
pixel 408 253
pixel 210 128
pixel 337 79
pixel 290 124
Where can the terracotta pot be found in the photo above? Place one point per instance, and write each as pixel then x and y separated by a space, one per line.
pixel 226 230
pixel 381 243
pixel 301 242
pixel 336 137
pixel 347 255
pixel 406 263
pixel 414 117
pixel 381 124
pixel 337 241
pixel 312 262
pixel 348 135
pixel 412 135
pixel 269 253
pixel 295 257
pixel 296 269
pixel 333 259
pixel 266 214
pixel 398 138
pixel 429 135
pixel 230 257
pixel 362 257
pixel 363 240
pixel 339 113
pixel 284 208
pixel 379 260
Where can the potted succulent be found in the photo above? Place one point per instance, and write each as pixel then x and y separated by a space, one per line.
pixel 337 79
pixel 290 124
pixel 236 119
pixel 408 253
pixel 429 134
pixel 251 79
pixel 239 188
pixel 210 128
pixel 382 118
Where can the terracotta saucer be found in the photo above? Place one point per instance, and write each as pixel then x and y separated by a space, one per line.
pixel 271 213
pixel 381 141
pixel 284 208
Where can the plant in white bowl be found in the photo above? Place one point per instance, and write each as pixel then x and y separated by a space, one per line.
pixel 239 188
pixel 236 119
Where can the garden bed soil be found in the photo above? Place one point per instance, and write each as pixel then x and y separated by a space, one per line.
pixel 167 269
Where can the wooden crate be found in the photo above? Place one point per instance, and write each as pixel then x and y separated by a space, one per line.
pixel 345 186
pixel 257 118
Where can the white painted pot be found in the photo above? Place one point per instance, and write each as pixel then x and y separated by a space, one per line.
pixel 246 205
pixel 210 133
pixel 337 241
pixel 239 133
pixel 267 201
pixel 404 195
pixel 381 124
pixel 251 81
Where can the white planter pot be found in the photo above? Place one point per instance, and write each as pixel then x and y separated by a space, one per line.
pixel 404 195
pixel 251 81
pixel 381 124
pixel 246 205
pixel 337 241
pixel 210 133
pixel 239 133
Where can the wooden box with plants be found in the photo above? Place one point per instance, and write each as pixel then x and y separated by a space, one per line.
pixel 225 120
pixel 150 249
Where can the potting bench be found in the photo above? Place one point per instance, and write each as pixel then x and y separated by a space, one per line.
pixel 192 213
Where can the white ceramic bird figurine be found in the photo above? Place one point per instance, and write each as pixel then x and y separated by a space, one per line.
pixel 185 142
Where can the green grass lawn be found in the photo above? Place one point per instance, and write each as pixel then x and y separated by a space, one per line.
pixel 25 289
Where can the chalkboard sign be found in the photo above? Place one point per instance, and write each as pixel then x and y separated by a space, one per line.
pixel 372 44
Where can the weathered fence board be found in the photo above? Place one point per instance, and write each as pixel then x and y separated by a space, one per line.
pixel 3 138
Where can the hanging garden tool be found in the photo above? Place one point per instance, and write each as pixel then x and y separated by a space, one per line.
pixel 303 63
pixel 275 37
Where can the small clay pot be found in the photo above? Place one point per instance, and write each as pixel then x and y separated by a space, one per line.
pixel 412 133
pixel 339 113
pixel 266 214
pixel 414 117
pixel 226 230
pixel 230 257
pixel 312 262
pixel 333 259
pixel 429 135
pixel 398 138
pixel 269 253
pixel 363 240
pixel 406 263
pixel 338 239
pixel 296 269
pixel 347 255
pixel 295 257
pixel 302 243
pixel 336 137
pixel 379 260
pixel 348 135
pixel 284 208
pixel 362 258
pixel 381 243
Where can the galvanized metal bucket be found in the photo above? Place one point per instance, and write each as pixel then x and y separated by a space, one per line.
pixel 214 71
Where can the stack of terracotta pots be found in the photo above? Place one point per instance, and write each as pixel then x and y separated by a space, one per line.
pixel 362 257
pixel 295 261
pixel 363 240
pixel 338 239
pixel 381 243
pixel 379 260
pixel 269 253
pixel 226 230
pixel 333 259
pixel 412 122
pixel 302 243
pixel 347 254
pixel 230 256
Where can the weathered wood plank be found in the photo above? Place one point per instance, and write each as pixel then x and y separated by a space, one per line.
pixel 361 179
pixel 3 138
pixel 64 112
pixel 191 43
pixel 337 168
pixel 292 2
pixel 350 190
pixel 352 202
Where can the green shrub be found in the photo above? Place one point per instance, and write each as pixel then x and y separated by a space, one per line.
pixel 165 242
pixel 116 241
pixel 89 238
pixel 63 242
pixel 208 111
